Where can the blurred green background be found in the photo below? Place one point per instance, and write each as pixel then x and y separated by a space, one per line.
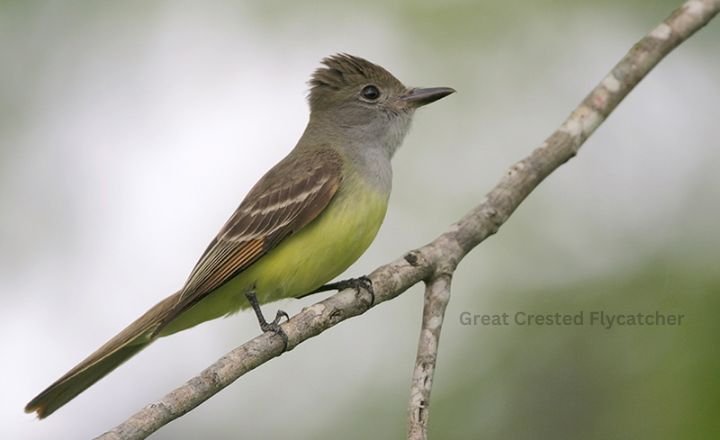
pixel 129 131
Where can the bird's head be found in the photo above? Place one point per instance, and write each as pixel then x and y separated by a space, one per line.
pixel 357 96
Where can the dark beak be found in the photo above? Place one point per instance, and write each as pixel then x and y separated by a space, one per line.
pixel 418 97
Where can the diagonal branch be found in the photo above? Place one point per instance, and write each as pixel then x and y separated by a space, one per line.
pixel 448 249
pixel 525 175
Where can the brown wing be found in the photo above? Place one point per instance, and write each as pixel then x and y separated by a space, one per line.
pixel 288 197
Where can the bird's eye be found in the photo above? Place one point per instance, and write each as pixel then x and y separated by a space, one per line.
pixel 370 93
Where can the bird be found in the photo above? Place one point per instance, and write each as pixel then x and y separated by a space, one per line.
pixel 301 225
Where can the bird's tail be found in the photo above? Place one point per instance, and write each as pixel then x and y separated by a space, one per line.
pixel 138 335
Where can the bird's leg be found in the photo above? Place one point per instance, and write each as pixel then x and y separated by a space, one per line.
pixel 362 282
pixel 268 326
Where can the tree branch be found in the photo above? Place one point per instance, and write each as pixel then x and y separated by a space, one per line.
pixel 437 297
pixel 448 249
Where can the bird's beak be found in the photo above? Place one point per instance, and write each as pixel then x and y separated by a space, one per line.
pixel 418 97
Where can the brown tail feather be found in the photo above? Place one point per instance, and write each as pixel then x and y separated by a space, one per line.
pixel 117 350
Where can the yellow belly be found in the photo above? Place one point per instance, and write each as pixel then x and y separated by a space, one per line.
pixel 302 262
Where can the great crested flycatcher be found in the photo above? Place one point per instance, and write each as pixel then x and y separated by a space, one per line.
pixel 306 221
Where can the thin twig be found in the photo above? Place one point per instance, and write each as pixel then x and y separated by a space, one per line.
pixel 437 297
pixel 448 249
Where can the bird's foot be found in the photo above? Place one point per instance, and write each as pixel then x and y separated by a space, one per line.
pixel 361 283
pixel 265 326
